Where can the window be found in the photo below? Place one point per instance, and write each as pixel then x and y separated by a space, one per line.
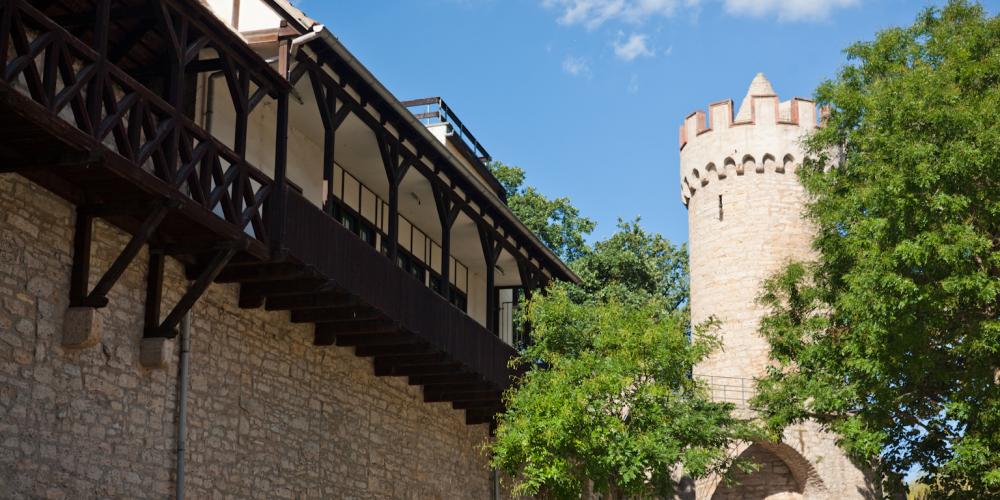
pixel 411 265
pixel 367 233
pixel 457 298
pixel 720 207
pixel 406 261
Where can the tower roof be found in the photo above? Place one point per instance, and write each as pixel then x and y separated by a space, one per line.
pixel 759 86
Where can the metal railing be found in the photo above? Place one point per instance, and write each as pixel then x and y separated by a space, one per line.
pixel 735 390
pixel 434 108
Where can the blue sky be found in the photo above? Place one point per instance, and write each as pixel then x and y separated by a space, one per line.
pixel 587 95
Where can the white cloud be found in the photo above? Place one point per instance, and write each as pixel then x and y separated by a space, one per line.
pixel 787 10
pixel 594 13
pixel 576 66
pixel 633 47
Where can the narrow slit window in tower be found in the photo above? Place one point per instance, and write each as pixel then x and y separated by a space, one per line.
pixel 720 207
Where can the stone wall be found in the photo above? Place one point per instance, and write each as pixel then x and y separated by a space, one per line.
pixel 269 414
pixel 771 479
pixel 759 231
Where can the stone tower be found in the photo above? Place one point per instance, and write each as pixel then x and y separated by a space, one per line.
pixel 745 221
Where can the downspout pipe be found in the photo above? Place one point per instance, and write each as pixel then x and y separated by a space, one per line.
pixel 182 383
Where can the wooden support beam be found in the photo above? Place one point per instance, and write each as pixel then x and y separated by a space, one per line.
pixel 383 339
pixel 491 253
pixel 132 208
pixel 98 296
pixel 396 165
pixel 277 202
pixel 154 289
pixel 86 19
pixel 436 390
pixel 79 282
pixel 435 396
pixel 168 329
pixel 196 248
pixel 347 313
pixel 367 351
pixel 482 416
pixel 252 295
pixel 359 327
pixel 125 44
pixel 282 271
pixel 325 300
pixel 456 378
pixel 447 211
pixel 387 370
pixel 417 359
pixel 206 65
pixel 338 317
pixel 487 404
pixel 57 162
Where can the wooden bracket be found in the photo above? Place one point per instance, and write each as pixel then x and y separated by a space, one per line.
pixel 154 290
pixel 80 295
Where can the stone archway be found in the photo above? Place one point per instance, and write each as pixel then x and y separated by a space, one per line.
pixel 782 474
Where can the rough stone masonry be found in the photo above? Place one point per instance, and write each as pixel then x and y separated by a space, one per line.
pixel 269 414
pixel 745 222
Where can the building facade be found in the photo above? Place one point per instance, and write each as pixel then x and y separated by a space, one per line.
pixel 745 218
pixel 231 261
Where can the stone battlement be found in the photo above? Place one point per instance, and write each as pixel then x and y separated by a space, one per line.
pixel 759 110
pixel 695 178
pixel 762 137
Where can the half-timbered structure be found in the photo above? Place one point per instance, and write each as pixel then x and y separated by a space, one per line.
pixel 243 141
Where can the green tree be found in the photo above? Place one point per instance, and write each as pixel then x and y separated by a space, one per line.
pixel 637 261
pixel 610 400
pixel 556 221
pixel 892 338
pixel 607 396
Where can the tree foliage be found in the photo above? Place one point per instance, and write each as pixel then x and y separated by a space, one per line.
pixel 892 338
pixel 607 396
pixel 555 220
pixel 637 261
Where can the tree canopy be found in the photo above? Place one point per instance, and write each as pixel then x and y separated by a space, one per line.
pixel 636 261
pixel 608 397
pixel 555 220
pixel 892 337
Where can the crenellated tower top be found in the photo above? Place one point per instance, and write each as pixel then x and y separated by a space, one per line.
pixel 762 128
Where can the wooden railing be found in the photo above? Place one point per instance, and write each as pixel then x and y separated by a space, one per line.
pixel 319 241
pixel 71 80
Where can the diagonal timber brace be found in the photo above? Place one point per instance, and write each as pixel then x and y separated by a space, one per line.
pixel 80 294
pixel 154 289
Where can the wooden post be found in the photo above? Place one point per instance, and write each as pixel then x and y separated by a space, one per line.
pixel 491 252
pixel 79 282
pixel 95 86
pixel 395 169
pixel 154 290
pixel 447 211
pixel 242 113
pixel 392 246
pixel 278 196
pixel 329 145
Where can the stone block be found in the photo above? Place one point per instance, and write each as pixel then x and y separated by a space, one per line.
pixel 81 328
pixel 155 352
